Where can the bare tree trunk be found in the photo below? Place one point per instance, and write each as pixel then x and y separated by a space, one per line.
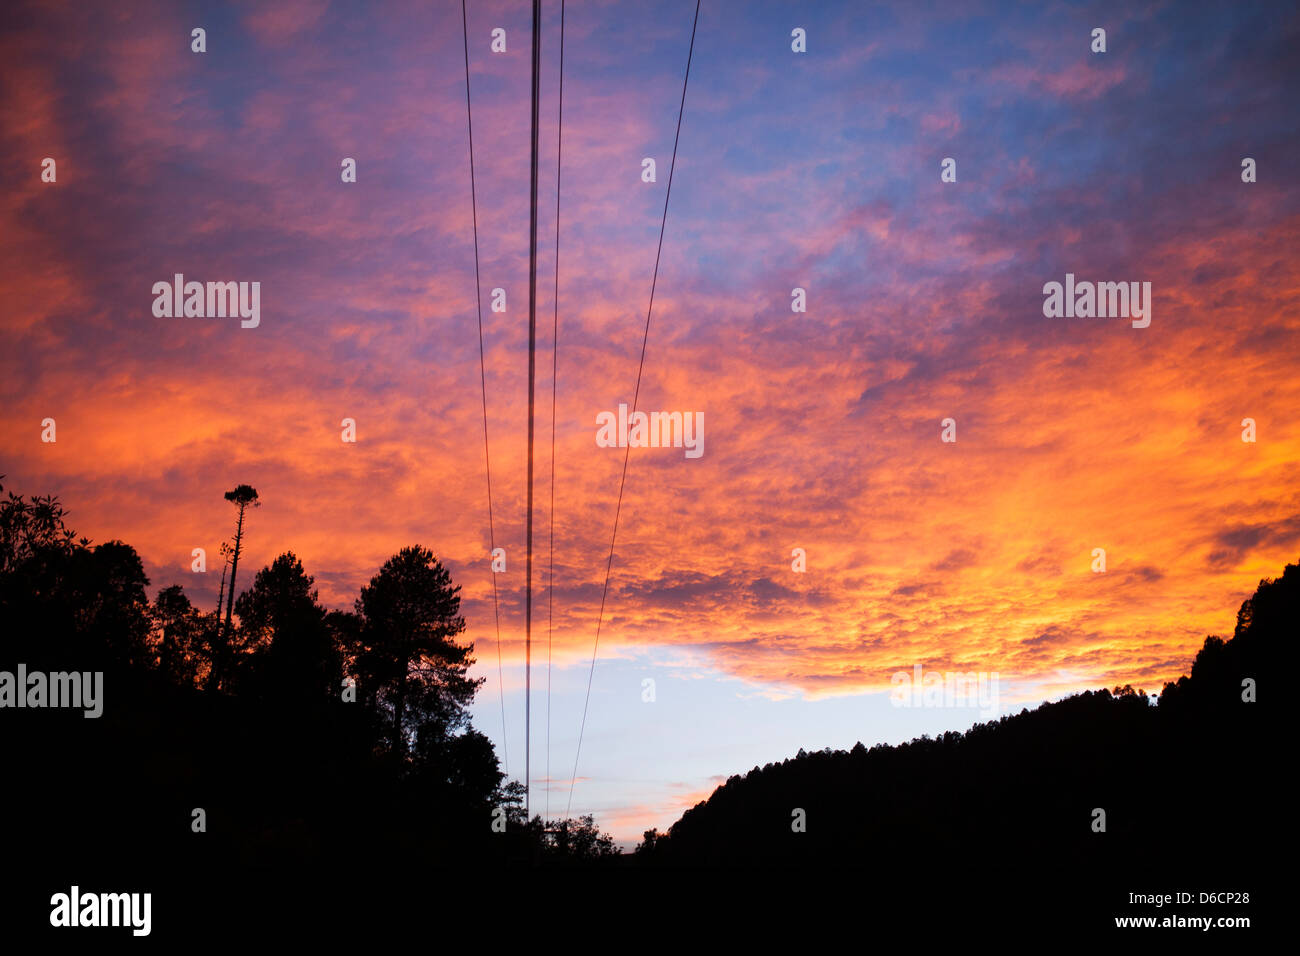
pixel 234 566
pixel 221 594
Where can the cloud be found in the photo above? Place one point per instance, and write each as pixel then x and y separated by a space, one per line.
pixel 822 427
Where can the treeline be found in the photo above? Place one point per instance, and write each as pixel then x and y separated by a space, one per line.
pixel 342 739
pixel 304 736
pixel 1186 785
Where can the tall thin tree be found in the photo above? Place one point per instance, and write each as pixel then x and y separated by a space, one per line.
pixel 225 569
pixel 241 496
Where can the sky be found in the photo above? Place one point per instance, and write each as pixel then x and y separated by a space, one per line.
pixel 818 170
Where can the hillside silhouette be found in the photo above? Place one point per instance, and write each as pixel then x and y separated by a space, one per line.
pixel 1187 783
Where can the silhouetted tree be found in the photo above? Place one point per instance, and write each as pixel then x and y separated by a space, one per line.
pixel 179 647
pixel 118 606
pixel 225 569
pixel 346 630
pixel 648 840
pixel 511 798
pixel 580 839
pixel 241 496
pixel 29 527
pixel 280 616
pixel 410 615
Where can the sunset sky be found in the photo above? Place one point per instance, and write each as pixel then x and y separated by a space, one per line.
pixel 818 170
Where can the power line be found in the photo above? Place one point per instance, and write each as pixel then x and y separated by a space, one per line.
pixel 532 381
pixel 635 395
pixel 487 458
pixel 555 358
